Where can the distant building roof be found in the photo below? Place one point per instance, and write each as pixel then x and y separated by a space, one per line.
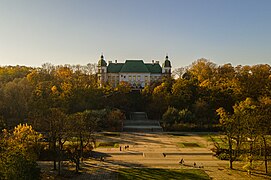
pixel 114 67
pixel 134 66
pixel 154 68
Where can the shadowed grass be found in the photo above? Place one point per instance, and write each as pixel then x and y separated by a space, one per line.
pixel 177 134
pixel 156 173
pixel 185 145
pixel 111 134
pixel 107 144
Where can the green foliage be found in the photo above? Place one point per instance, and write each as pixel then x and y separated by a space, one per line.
pixel 246 130
pixel 107 144
pixel 171 116
pixel 15 165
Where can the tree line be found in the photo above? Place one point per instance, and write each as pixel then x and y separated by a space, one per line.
pixel 66 102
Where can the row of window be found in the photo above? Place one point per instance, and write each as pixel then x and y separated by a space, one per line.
pixel 131 78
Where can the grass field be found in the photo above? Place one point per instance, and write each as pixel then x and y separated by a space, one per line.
pixel 155 173
pixel 107 144
pixel 186 145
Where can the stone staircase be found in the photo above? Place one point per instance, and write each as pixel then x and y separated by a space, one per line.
pixel 139 122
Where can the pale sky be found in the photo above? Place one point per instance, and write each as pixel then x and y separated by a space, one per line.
pixel 33 32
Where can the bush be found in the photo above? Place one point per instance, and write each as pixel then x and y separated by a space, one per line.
pixel 14 165
pixel 171 116
pixel 114 120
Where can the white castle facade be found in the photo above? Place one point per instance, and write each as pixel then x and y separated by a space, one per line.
pixel 135 72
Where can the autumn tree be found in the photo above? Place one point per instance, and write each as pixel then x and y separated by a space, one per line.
pixel 19 151
pixel 81 127
pixel 264 110
pixel 229 128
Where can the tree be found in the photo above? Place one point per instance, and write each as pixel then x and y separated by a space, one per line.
pixel 183 93
pixel 228 125
pixel 264 126
pixel 115 120
pixel 57 134
pixel 202 70
pixel 171 116
pixel 81 126
pixel 18 151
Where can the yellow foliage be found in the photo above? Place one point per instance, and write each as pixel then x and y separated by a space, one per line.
pixel 54 90
pixel 26 134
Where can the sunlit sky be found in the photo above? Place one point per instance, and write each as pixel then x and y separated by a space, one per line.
pixel 33 32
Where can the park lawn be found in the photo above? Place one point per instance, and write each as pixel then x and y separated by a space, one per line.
pixel 157 173
pixel 107 144
pixel 188 145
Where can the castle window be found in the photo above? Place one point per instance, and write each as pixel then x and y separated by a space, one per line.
pixel 138 78
pixel 146 78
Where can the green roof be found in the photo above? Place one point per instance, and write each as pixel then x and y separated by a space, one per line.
pixel 134 66
pixel 154 68
pixel 101 62
pixel 114 67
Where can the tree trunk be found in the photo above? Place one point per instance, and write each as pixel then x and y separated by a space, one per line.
pixel 251 153
pixel 230 153
pixel 59 156
pixel 77 164
pixel 54 151
pixel 81 146
pixel 265 155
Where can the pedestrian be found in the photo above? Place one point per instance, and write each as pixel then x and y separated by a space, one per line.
pixel 181 161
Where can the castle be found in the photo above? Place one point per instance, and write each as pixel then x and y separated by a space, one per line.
pixel 135 72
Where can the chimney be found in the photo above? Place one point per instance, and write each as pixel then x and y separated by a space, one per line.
pixel 109 62
pixel 116 61
pixel 157 62
pixel 152 62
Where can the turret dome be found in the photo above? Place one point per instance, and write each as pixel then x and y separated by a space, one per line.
pixel 167 63
pixel 102 62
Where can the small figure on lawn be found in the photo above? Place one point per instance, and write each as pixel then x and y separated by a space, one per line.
pixel 181 161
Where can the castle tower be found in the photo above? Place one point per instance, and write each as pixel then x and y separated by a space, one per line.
pixel 102 67
pixel 166 67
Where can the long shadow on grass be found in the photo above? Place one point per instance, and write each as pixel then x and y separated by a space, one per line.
pixel 155 173
pixel 130 138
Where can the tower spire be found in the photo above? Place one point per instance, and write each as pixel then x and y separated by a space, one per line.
pixel 166 56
